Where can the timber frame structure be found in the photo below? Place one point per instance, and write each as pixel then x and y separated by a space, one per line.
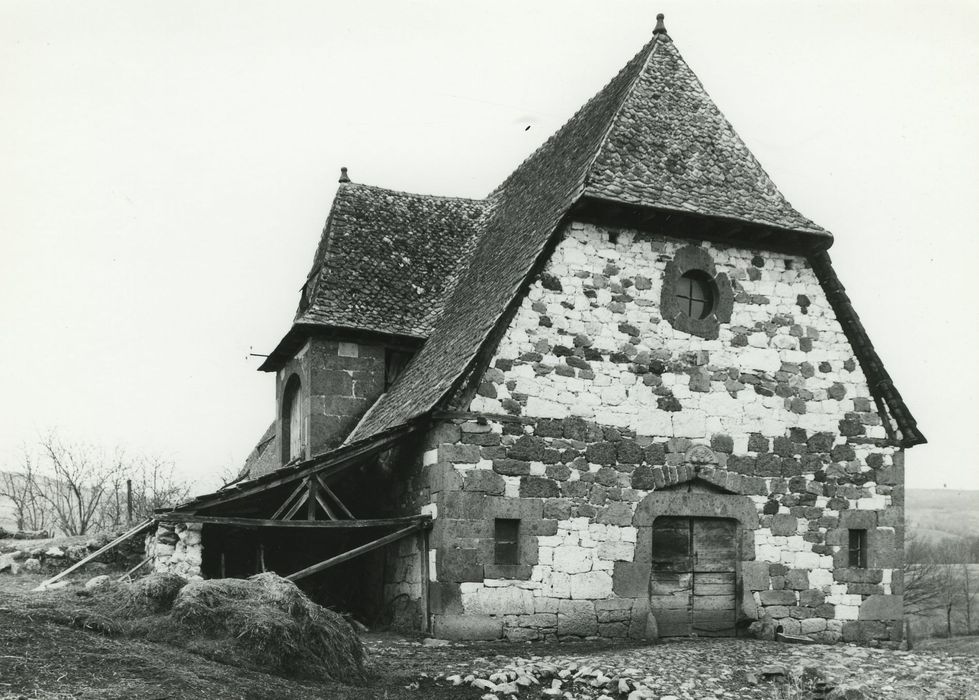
pixel 310 505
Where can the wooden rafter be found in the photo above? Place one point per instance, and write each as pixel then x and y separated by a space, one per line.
pixel 300 500
pixel 233 521
pixel 285 504
pixel 356 552
pixel 329 492
pixel 325 465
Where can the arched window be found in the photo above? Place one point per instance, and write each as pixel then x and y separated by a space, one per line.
pixel 293 426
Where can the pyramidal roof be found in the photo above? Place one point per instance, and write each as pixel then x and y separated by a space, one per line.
pixel 651 137
pixel 668 146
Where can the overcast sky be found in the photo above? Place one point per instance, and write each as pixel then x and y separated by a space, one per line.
pixel 166 169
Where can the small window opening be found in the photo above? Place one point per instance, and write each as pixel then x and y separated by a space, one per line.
pixel 695 294
pixel 395 362
pixel 858 549
pixel 507 541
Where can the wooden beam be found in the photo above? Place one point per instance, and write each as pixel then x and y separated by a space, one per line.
pixel 285 504
pixel 423 553
pixel 329 492
pixel 327 465
pixel 311 498
pixel 356 552
pixel 231 521
pixel 325 506
pixel 134 569
pixel 85 560
pixel 297 505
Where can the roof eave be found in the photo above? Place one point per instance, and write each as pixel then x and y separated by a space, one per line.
pixel 300 332
pixel 681 223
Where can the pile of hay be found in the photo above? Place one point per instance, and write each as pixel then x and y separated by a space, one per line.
pixel 263 622
pixel 272 623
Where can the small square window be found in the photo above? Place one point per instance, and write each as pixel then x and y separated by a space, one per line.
pixel 507 535
pixel 858 549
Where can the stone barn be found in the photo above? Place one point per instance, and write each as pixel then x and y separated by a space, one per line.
pixel 624 395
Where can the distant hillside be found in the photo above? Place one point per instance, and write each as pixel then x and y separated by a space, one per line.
pixel 941 513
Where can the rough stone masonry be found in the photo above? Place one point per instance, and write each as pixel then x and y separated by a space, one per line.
pixel 596 416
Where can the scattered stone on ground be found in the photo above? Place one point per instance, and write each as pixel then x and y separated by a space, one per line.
pixel 695 670
pixel 98 581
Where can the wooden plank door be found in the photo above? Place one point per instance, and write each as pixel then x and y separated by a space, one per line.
pixel 671 580
pixel 693 580
pixel 715 554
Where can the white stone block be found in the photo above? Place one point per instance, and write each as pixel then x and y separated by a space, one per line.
pixel 847 612
pixel 754 359
pixel 652 423
pixel 820 579
pixel 572 560
pixel 507 600
pixel 539 408
pixel 430 457
pixel 591 586
pixel 557 584
pixel 806 560
pixel 616 551
pixel 690 423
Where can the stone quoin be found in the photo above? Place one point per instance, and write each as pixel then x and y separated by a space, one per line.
pixel 627 388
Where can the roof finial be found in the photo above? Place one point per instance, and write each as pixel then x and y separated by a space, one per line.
pixel 343 175
pixel 660 26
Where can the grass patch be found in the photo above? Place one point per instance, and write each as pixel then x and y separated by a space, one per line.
pixel 264 622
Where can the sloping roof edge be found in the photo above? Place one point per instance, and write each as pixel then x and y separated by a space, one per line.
pixel 888 398
pixel 338 458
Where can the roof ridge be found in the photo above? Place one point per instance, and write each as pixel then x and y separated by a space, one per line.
pixel 558 132
pixel 651 45
pixel 406 193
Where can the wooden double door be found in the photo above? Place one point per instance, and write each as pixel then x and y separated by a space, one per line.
pixel 693 584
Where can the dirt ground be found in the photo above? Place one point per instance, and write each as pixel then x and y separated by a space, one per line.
pixel 43 659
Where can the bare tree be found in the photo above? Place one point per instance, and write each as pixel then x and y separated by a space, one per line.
pixel 155 486
pixel 968 593
pixel 921 576
pixel 23 490
pixel 79 478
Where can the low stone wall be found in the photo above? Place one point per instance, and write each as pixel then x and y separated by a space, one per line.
pixel 176 548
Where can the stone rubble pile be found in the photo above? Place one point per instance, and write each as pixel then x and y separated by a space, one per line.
pixel 25 556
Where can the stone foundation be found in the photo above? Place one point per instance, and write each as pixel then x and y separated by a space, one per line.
pixel 176 548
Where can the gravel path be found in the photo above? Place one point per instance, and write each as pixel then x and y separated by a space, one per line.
pixel 698 670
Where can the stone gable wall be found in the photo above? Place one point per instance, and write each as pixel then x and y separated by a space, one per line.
pixel 589 341
pixel 593 403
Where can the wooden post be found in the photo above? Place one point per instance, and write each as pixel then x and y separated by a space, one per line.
pixel 129 501
pixel 82 562
pixel 311 500
pixel 423 553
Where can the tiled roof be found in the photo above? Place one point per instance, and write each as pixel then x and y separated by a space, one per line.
pixel 652 138
pixel 525 211
pixel 387 259
pixel 264 458
pixel 670 147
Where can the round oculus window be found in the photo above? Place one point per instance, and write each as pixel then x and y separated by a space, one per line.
pixel 695 294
